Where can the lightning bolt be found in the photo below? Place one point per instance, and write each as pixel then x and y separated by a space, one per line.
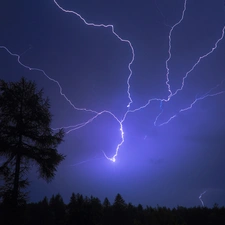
pixel 200 198
pixel 117 35
pixel 199 60
pixel 170 47
pixel 86 161
pixel 96 114
pixel 206 95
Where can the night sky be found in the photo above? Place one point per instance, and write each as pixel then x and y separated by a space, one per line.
pixel 168 165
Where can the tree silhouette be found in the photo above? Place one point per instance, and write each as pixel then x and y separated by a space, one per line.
pixel 25 135
pixel 119 202
pixel 72 210
pixel 95 211
pixel 106 203
pixel 119 210
pixel 58 208
pixel 107 212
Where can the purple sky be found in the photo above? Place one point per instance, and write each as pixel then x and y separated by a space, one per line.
pixel 168 165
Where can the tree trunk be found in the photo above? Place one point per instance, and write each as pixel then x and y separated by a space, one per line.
pixel 18 156
pixel 16 181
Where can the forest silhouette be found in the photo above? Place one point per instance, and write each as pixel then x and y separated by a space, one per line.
pixel 83 210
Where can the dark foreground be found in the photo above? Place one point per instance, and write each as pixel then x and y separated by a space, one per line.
pixel 90 211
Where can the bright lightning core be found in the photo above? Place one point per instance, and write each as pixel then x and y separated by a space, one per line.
pixel 128 106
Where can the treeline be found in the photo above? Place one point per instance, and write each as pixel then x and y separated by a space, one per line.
pixel 90 211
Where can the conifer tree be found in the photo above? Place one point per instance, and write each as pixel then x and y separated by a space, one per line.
pixel 26 136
